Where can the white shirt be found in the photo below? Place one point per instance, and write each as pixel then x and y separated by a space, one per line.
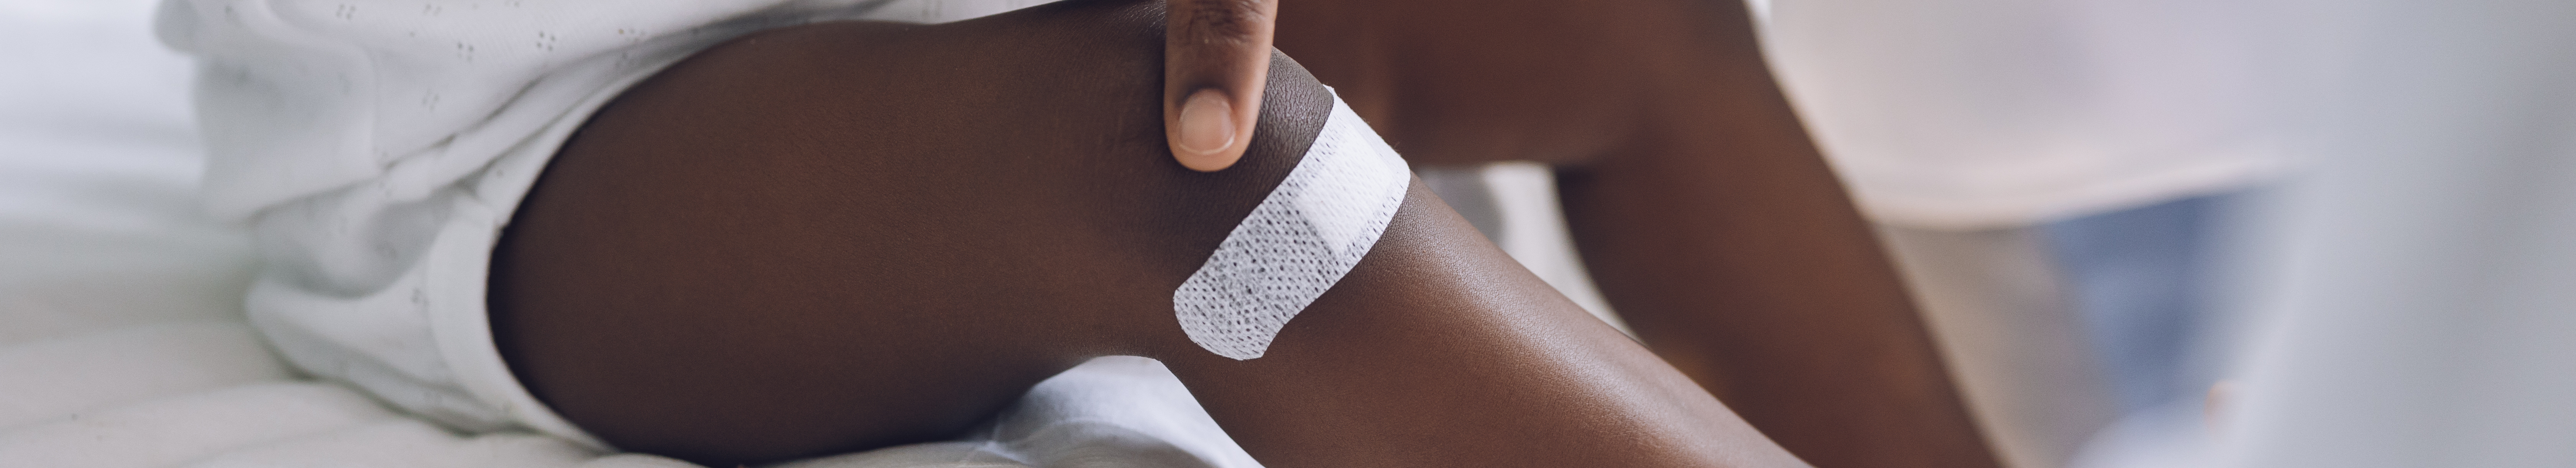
pixel 1969 114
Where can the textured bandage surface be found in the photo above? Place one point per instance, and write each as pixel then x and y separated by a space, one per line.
pixel 1302 238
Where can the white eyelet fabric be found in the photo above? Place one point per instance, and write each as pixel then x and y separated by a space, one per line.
pixel 1303 237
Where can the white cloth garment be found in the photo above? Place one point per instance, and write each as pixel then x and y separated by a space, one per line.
pixel 376 149
pixel 1980 114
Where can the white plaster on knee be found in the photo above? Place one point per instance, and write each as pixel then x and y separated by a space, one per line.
pixel 1310 231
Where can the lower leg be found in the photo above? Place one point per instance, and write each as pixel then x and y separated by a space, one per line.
pixel 1703 210
pixel 1439 350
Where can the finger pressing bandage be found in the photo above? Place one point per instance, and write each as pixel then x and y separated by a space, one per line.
pixel 1297 243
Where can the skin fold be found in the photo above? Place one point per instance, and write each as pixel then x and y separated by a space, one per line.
pixel 844 236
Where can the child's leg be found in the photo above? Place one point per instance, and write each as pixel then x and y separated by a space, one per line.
pixel 1701 207
pixel 846 236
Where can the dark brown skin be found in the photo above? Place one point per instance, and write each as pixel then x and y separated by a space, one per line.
pixel 846 236
pixel 1700 206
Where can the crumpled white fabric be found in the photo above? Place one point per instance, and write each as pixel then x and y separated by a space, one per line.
pixel 300 97
pixel 1303 237
pixel 376 150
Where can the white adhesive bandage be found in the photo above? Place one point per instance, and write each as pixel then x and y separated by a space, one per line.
pixel 1298 242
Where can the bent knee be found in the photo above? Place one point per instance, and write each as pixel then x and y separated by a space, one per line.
pixel 911 223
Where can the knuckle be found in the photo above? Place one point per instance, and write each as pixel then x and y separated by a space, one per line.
pixel 1222 22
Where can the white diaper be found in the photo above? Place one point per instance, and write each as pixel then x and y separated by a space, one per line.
pixel 421 341
pixel 377 150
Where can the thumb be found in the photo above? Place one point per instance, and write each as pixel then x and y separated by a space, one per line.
pixel 1216 57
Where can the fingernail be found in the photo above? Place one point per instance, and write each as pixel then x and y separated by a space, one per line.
pixel 1207 123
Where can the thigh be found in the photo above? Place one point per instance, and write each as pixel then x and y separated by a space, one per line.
pixel 850 235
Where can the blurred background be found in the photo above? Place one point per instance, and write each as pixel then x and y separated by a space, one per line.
pixel 2352 212
pixel 2361 214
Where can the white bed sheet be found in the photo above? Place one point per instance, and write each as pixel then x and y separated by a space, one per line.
pixel 122 342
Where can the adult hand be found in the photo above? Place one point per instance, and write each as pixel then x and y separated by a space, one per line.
pixel 1216 55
